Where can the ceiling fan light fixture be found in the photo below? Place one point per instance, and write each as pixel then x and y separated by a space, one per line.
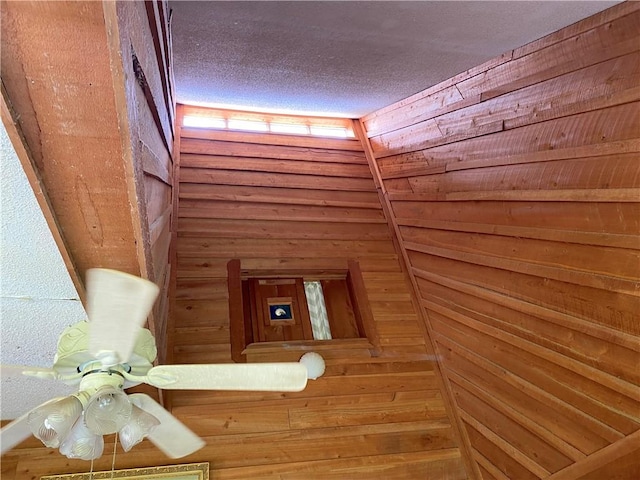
pixel 107 411
pixel 50 423
pixel 87 355
pixel 82 443
pixel 139 426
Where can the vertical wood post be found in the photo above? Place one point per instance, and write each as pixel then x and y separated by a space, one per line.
pixel 361 308
pixel 236 311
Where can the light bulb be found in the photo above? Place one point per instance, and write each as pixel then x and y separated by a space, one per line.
pixel 107 411
pixel 50 423
pixel 82 443
pixel 141 424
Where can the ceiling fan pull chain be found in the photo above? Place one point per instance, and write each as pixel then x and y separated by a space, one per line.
pixel 113 461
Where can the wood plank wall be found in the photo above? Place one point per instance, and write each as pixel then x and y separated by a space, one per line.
pixel 514 189
pixel 293 204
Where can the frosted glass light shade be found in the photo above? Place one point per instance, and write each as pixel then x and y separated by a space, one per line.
pixel 82 443
pixel 50 423
pixel 140 425
pixel 108 411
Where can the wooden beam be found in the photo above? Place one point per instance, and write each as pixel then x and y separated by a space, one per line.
pixel 39 189
pixel 69 107
pixel 236 311
pixel 361 308
pixel 173 256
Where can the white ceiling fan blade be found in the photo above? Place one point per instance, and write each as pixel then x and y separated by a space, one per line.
pixel 269 377
pixel 172 437
pixel 7 371
pixel 14 433
pixel 117 305
pixel 17 431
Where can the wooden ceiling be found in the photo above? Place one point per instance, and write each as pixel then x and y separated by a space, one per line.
pixel 494 218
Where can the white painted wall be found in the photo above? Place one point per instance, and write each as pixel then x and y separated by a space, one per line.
pixel 37 298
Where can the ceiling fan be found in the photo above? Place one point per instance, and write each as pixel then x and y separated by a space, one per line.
pixel 112 352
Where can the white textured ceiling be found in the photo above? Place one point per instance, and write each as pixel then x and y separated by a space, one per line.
pixel 345 58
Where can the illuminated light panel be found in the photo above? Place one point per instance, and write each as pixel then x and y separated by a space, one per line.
pixel 255 122
pixel 204 122
pixel 330 132
pixel 292 128
pixel 248 125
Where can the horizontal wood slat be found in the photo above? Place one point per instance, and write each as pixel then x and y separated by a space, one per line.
pixel 240 149
pixel 558 318
pixel 276 166
pixel 205 266
pixel 188 246
pixel 309 213
pixel 605 173
pixel 568 236
pixel 249 179
pixel 606 219
pixel 572 195
pixel 560 273
pixel 279 227
pixel 279 194
pixel 616 262
pixel 404 465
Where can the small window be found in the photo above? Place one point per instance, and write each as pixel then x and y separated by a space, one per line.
pixel 298 312
pixel 329 131
pixel 268 123
pixel 204 122
pixel 317 311
pixel 290 128
pixel 249 125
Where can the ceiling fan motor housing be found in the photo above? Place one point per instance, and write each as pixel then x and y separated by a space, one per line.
pixel 73 356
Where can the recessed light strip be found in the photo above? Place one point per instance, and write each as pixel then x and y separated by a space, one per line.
pixel 334 128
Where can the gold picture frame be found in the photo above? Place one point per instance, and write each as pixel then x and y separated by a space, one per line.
pixel 191 471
